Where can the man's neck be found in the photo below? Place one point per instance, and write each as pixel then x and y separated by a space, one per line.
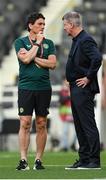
pixel 77 31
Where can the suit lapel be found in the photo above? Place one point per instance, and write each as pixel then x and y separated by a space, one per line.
pixel 81 36
pixel 75 48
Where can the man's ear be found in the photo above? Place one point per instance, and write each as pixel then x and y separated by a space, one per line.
pixel 30 25
pixel 71 24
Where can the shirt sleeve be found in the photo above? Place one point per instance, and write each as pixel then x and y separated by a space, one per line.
pixel 52 49
pixel 91 50
pixel 18 45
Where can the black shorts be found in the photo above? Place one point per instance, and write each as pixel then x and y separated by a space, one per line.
pixel 38 100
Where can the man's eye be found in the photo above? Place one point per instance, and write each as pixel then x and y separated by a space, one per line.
pixel 41 24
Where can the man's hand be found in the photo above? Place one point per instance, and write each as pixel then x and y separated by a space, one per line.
pixel 35 61
pixel 46 63
pixel 82 82
pixel 39 37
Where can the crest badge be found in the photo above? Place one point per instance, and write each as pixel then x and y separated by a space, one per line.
pixel 46 46
pixel 21 110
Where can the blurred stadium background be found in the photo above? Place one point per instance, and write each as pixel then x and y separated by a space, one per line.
pixel 12 25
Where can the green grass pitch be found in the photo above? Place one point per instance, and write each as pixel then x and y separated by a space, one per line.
pixel 54 163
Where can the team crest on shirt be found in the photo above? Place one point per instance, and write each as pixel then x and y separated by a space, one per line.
pixel 46 46
pixel 21 110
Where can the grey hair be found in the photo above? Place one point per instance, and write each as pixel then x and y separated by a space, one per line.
pixel 74 17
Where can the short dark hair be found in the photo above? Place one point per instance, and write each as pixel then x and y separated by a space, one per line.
pixel 32 18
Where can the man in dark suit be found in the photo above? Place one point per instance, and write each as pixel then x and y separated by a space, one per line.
pixel 83 63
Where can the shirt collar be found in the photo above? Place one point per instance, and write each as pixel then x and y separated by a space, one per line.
pixel 78 36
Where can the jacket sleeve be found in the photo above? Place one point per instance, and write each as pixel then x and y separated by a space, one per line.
pixel 90 49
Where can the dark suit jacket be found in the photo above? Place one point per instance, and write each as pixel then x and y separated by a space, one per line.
pixel 87 59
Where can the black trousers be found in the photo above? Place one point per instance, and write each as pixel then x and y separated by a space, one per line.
pixel 82 100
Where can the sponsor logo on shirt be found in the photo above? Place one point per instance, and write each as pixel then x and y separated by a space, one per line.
pixel 28 46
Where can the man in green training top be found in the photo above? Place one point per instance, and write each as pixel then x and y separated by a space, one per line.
pixel 36 55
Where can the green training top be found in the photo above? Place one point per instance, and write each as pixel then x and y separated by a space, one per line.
pixel 32 77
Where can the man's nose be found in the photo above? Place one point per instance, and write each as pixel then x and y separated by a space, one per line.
pixel 64 28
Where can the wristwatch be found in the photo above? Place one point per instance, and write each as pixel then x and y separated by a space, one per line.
pixel 36 44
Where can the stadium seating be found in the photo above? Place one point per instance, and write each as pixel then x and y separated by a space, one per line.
pixel 9 126
pixel 12 21
pixel 94 18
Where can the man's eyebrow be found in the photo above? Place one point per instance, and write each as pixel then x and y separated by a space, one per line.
pixel 41 23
